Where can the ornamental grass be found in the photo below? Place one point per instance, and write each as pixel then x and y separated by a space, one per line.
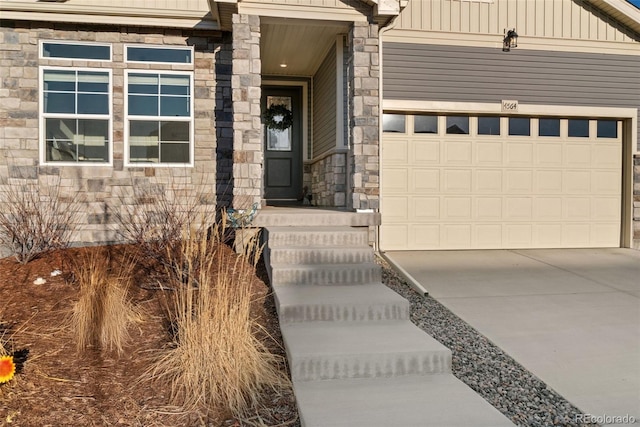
pixel 103 313
pixel 215 364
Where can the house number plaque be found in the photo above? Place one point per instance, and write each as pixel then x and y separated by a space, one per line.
pixel 509 106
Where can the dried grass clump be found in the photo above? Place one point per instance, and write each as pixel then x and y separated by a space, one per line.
pixel 103 313
pixel 216 364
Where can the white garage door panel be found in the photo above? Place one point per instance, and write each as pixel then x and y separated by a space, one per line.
pixel 491 192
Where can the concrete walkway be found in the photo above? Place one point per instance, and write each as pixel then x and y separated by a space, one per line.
pixel 356 359
pixel 572 317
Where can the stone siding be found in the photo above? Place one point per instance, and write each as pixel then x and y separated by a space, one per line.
pixel 104 190
pixel 328 180
pixel 247 128
pixel 364 74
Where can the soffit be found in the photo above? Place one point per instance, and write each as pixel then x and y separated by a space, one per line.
pixel 621 11
pixel 300 44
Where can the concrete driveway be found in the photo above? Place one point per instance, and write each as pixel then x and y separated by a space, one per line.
pixel 570 316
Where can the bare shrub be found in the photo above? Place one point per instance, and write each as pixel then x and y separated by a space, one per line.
pixel 155 215
pixel 34 220
pixel 103 313
pixel 216 363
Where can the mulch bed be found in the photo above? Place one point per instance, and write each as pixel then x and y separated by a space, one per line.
pixel 59 386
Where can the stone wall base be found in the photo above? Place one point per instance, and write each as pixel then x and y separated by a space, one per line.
pixel 328 180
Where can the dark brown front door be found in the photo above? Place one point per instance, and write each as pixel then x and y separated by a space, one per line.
pixel 283 148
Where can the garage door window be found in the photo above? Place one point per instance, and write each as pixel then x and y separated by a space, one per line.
pixel 393 123
pixel 458 125
pixel 519 126
pixel 549 127
pixel 607 129
pixel 425 124
pixel 488 125
pixel 578 128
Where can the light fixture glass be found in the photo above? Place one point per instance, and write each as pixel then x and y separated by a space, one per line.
pixel 510 40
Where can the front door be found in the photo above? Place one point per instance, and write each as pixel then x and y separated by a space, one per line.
pixel 282 108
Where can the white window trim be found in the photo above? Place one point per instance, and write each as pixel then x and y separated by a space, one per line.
pixel 42 116
pixel 71 42
pixel 148 46
pixel 190 119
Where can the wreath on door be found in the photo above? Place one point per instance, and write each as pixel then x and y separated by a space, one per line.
pixel 278 117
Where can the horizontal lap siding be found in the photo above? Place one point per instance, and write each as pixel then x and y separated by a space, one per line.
pixel 324 105
pixel 470 74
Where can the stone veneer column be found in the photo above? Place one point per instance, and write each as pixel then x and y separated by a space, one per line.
pixel 247 129
pixel 364 74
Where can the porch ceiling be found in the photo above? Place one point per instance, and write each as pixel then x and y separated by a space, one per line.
pixel 298 43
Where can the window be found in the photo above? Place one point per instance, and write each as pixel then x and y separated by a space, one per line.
pixel 607 128
pixel 425 124
pixel 579 128
pixel 76 115
pixel 488 125
pixel 458 125
pixel 62 50
pixel 159 117
pixel 157 54
pixel 519 126
pixel 393 123
pixel 549 127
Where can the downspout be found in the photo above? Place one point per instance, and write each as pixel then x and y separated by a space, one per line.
pixel 405 274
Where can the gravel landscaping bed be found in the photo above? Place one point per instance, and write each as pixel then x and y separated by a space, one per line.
pixel 509 387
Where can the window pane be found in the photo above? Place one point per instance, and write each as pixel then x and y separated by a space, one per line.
pixel 519 126
pixel 93 104
pixel 425 124
pixel 143 141
pixel 60 80
pixel 60 129
pixel 174 153
pixel 93 82
pixel 174 85
pixel 92 140
pixel 144 131
pixel 458 125
pixel 488 125
pixel 174 131
pixel 144 153
pixel 146 54
pixel 174 106
pixel 579 128
pixel 143 105
pixel 76 51
pixel 143 83
pixel 71 140
pixel 393 123
pixel 549 127
pixel 59 103
pixel 607 128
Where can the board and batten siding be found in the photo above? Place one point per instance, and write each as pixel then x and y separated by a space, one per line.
pixel 417 72
pixel 191 5
pixel 324 105
pixel 566 19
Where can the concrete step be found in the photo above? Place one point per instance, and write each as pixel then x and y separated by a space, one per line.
pixel 313 217
pixel 332 350
pixel 410 401
pixel 348 303
pixel 315 237
pixel 326 274
pixel 342 255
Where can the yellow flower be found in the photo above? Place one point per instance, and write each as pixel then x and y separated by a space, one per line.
pixel 7 368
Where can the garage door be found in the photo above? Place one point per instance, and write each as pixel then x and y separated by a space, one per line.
pixel 460 182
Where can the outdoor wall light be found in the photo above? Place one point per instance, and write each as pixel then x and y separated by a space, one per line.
pixel 510 40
